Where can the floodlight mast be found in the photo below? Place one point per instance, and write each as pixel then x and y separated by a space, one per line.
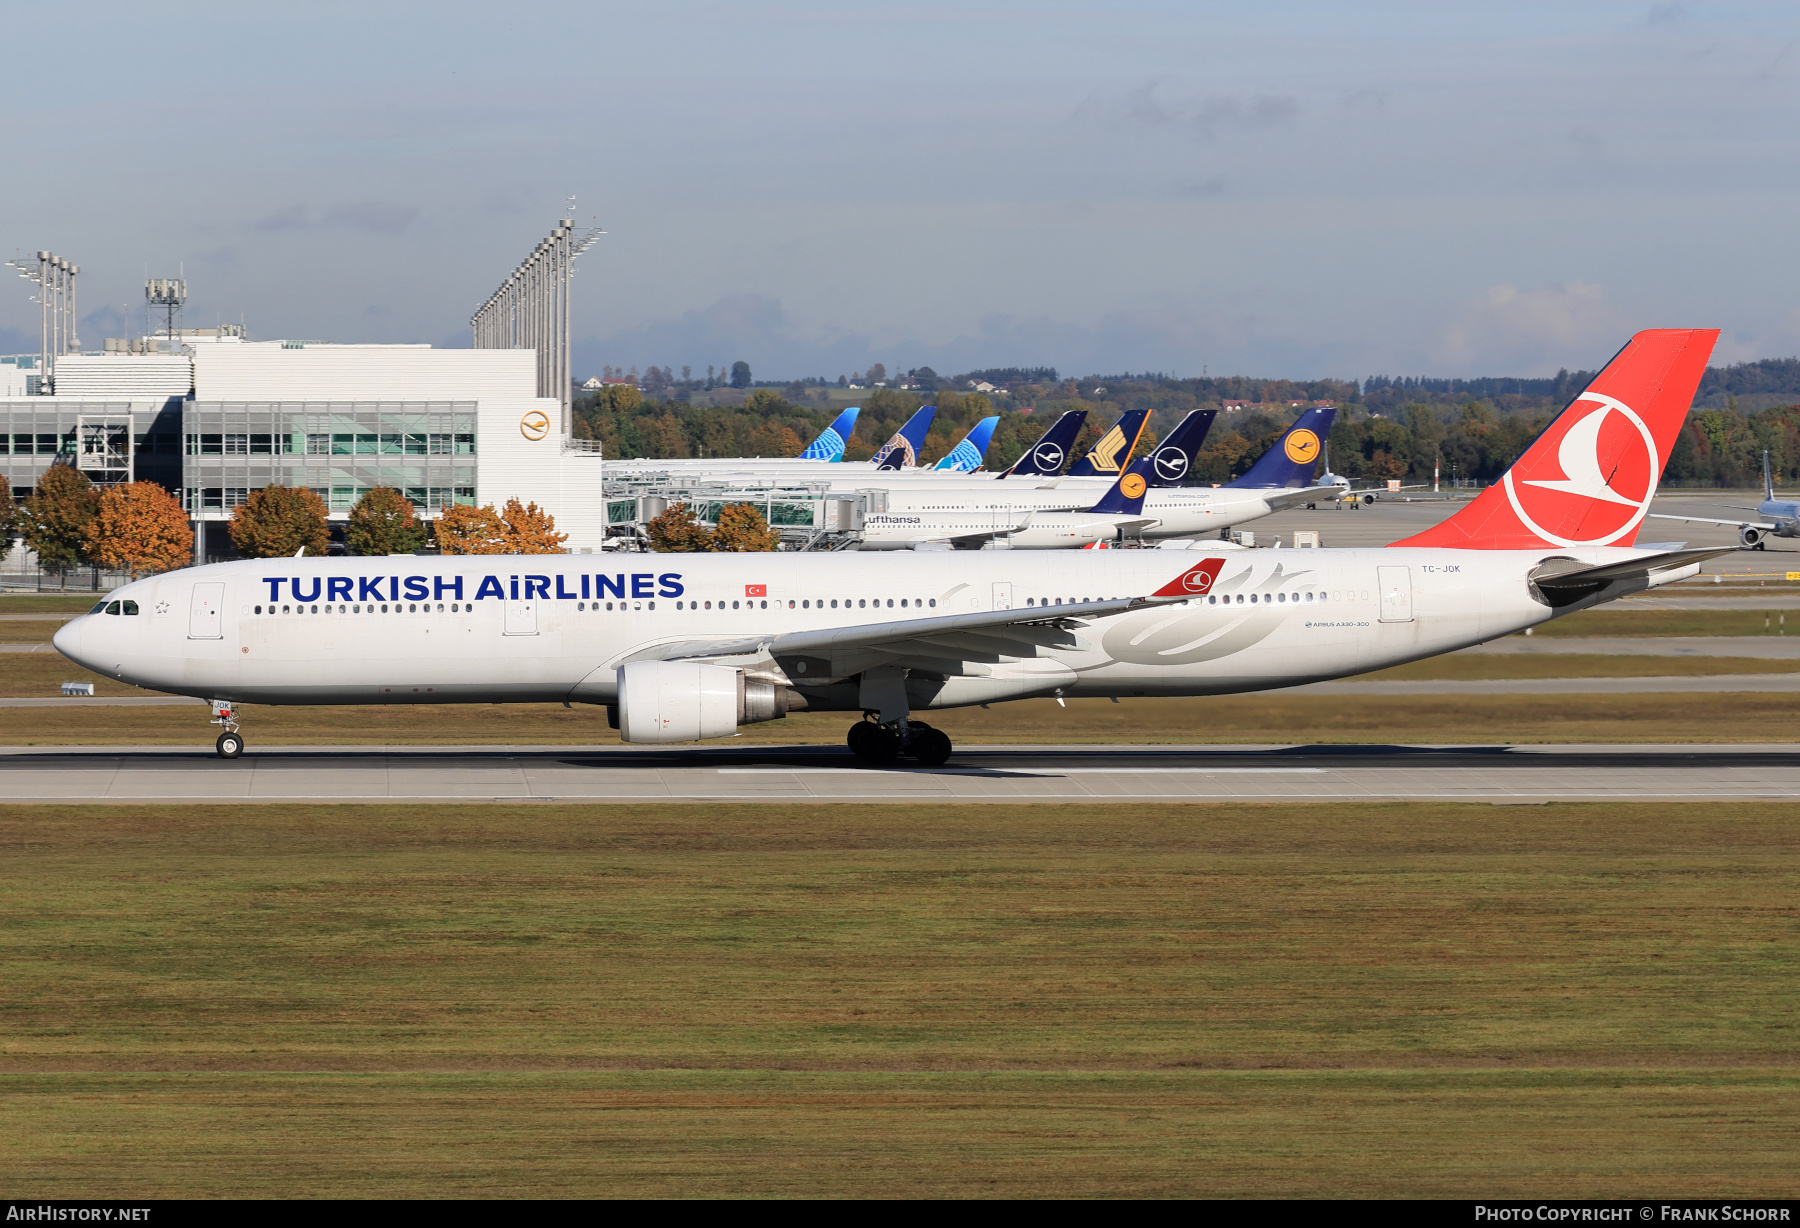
pixel 54 278
pixel 531 310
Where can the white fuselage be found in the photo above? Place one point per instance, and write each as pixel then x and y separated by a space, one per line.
pixel 495 629
pixel 1055 516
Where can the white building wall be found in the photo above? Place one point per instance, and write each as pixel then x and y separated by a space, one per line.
pixel 123 375
pixel 293 371
pixel 511 464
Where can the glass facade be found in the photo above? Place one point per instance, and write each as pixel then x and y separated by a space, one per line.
pixel 338 449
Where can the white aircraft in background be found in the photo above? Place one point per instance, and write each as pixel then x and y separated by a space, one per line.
pixel 1782 515
pixel 696 645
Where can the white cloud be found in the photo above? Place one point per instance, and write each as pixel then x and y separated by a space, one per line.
pixel 1532 331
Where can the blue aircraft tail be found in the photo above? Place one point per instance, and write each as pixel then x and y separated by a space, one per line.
pixel 1173 459
pixel 1290 462
pixel 966 456
pixel 1125 497
pixel 1050 453
pixel 1114 449
pixel 902 451
pixel 829 446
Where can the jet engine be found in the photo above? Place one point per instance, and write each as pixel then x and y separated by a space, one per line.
pixel 1751 536
pixel 682 701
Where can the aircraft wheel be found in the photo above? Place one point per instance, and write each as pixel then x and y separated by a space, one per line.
pixel 931 747
pixel 858 737
pixel 879 745
pixel 230 745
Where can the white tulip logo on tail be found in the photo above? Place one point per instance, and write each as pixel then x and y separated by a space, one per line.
pixel 1609 470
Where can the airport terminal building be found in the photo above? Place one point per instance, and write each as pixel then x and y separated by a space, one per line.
pixel 223 417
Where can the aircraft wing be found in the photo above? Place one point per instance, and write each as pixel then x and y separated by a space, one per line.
pixel 1593 577
pixel 937 641
pixel 1282 497
pixel 1736 524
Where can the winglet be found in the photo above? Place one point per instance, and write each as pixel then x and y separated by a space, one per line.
pixel 1196 581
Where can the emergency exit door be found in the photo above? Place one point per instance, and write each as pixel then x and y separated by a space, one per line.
pixel 1395 584
pixel 521 618
pixel 204 611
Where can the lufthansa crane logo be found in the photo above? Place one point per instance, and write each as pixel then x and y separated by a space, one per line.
pixel 1171 464
pixel 1608 469
pixel 1049 456
pixel 1132 486
pixel 1302 446
pixel 535 425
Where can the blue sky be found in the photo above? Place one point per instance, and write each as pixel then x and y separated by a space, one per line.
pixel 1273 189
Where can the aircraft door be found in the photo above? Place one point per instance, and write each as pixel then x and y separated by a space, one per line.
pixel 521 618
pixel 1395 584
pixel 204 612
pixel 1003 596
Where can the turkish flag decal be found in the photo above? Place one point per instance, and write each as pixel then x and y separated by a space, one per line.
pixel 756 590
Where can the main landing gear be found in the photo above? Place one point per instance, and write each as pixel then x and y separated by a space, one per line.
pixel 875 743
pixel 231 743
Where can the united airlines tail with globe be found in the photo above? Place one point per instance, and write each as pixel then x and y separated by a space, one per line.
pixel 682 647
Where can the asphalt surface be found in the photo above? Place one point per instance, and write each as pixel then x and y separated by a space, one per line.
pixel 1499 774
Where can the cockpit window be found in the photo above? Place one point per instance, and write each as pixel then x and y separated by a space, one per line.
pixel 112 607
pixel 130 607
pixel 99 607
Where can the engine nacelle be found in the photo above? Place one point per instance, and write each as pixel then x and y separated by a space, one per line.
pixel 685 701
pixel 1750 536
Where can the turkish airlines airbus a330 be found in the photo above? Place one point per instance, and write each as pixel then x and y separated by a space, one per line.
pixel 694 646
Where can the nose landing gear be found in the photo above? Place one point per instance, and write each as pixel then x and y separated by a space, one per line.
pixel 879 744
pixel 231 743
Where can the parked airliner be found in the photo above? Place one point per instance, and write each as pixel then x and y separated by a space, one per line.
pixel 1781 517
pixel 684 647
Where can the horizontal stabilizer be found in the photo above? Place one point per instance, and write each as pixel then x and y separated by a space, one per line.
pixel 1588 577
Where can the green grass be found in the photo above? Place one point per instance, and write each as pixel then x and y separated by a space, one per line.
pixel 1050 1000
pixel 1615 621
pixel 50 605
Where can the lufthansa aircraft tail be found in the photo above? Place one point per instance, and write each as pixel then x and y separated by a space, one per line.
pixel 1290 462
pixel 1173 459
pixel 1125 497
pixel 829 446
pixel 1589 478
pixel 1050 453
pixel 1115 447
pixel 902 451
pixel 966 456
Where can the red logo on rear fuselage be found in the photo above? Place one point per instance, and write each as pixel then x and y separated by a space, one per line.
pixel 1589 479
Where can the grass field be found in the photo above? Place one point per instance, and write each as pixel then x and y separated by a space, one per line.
pixel 1008 1001
pixel 1612 620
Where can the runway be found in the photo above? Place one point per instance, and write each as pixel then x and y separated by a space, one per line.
pixel 811 774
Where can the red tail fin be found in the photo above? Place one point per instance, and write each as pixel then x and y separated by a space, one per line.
pixel 1588 479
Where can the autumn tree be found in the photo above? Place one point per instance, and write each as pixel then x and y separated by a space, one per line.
pixel 9 517
pixel 57 516
pixel 471 530
pixel 528 529
pixel 139 527
pixel 678 531
pixel 277 521
pixel 740 374
pixel 383 522
pixel 741 528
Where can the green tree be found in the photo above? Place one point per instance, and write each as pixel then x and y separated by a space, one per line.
pixel 740 374
pixel 383 522
pixel 9 517
pixel 57 515
pixel 678 531
pixel 277 521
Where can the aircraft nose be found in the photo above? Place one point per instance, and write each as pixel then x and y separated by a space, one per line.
pixel 68 637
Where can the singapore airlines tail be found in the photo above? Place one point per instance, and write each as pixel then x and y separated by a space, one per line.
pixel 1115 447
pixel 966 456
pixel 1589 478
pixel 902 451
pixel 1290 462
pixel 829 446
pixel 1046 457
